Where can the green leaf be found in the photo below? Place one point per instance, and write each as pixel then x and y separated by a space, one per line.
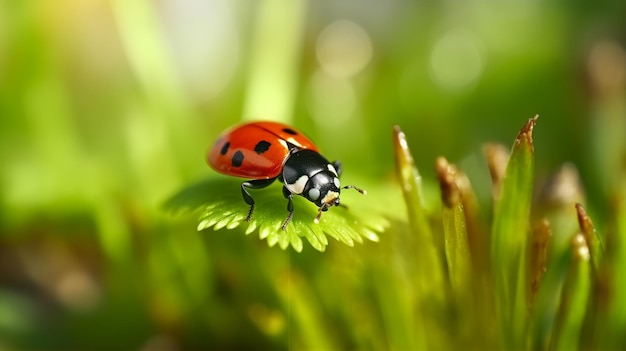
pixel 510 236
pixel 221 206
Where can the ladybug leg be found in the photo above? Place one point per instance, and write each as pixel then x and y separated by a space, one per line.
pixel 338 167
pixel 289 196
pixel 253 184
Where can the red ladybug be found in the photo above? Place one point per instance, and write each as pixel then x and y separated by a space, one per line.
pixel 266 151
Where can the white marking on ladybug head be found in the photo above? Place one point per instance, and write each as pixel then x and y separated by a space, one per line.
pixel 330 198
pixel 336 181
pixel 298 186
pixel 314 194
pixel 332 169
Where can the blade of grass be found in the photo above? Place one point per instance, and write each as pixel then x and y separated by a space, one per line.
pixel 478 297
pixel 454 229
pixel 304 308
pixel 164 114
pixel 420 267
pixel 617 305
pixel 474 224
pixel 509 239
pixel 411 184
pixel 538 257
pixel 404 329
pixel 465 283
pixel 272 80
pixel 546 306
pixel 596 250
pixel 497 159
pixel 575 296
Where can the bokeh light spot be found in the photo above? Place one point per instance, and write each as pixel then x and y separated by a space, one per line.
pixel 457 60
pixel 344 49
pixel 204 43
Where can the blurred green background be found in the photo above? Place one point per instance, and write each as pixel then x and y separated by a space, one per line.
pixel 108 107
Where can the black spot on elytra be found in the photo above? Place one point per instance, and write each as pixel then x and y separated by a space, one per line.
pixel 290 131
pixel 225 148
pixel 237 159
pixel 262 146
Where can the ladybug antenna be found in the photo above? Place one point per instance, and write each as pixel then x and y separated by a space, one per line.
pixel 362 191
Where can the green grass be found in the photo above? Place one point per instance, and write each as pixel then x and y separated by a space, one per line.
pixel 435 292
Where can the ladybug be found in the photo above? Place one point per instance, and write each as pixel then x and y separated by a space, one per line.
pixel 265 151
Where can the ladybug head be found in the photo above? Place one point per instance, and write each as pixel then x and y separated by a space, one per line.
pixel 323 189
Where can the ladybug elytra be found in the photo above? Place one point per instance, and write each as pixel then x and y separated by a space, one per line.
pixel 266 151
